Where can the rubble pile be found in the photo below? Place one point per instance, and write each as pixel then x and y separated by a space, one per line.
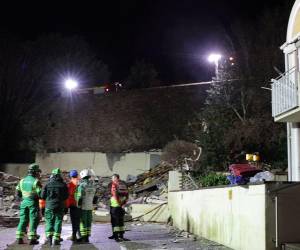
pixel 151 186
pixel 103 191
pixel 9 205
pixel 147 188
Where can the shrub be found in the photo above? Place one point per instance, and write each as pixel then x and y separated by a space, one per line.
pixel 213 179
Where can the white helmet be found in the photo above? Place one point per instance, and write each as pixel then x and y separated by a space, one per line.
pixel 84 173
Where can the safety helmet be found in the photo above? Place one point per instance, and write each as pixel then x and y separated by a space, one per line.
pixel 33 168
pixel 85 173
pixel 56 171
pixel 73 173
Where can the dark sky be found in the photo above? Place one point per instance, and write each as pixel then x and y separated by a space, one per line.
pixel 174 35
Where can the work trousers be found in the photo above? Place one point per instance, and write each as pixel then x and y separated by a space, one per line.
pixel 86 218
pixel 54 218
pixel 28 214
pixel 75 213
pixel 117 219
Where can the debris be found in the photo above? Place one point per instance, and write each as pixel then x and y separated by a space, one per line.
pixel 262 176
pixel 9 207
pixel 149 187
pixel 131 178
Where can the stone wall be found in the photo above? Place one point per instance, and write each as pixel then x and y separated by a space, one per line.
pixel 136 120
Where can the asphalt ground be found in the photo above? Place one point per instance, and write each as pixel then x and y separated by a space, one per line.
pixel 142 235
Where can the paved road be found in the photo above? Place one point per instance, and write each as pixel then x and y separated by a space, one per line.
pixel 143 236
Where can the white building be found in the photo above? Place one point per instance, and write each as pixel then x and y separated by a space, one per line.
pixel 286 93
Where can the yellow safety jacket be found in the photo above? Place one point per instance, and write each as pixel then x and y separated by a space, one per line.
pixel 30 188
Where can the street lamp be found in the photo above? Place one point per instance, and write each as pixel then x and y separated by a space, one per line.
pixel 214 58
pixel 71 84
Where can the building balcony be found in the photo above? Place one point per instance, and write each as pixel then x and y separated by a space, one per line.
pixel 285 97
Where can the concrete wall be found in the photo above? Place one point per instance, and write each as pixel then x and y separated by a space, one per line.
pixel 229 215
pixel 240 217
pixel 16 169
pixel 103 164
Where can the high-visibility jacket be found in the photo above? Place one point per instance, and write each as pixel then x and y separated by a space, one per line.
pixel 71 201
pixel 85 194
pixel 30 190
pixel 119 194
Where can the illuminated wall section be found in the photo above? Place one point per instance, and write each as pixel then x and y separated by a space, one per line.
pixel 296 27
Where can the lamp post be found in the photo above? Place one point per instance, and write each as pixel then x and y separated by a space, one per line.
pixel 214 58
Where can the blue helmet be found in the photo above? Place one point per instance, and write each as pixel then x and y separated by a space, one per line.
pixel 73 173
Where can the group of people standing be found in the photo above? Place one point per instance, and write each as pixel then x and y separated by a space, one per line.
pixel 57 197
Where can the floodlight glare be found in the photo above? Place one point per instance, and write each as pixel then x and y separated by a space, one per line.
pixel 71 84
pixel 214 58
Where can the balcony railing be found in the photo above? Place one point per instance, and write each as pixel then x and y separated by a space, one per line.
pixel 285 93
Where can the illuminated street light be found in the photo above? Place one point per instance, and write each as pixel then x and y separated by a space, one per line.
pixel 214 58
pixel 71 84
pixel 73 87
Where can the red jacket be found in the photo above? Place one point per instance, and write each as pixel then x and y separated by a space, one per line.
pixel 119 192
pixel 72 188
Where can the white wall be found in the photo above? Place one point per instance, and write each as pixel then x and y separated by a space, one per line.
pixel 103 164
pixel 260 217
pixel 232 216
pixel 16 169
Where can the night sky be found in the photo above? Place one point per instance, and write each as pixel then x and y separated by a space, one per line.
pixel 175 36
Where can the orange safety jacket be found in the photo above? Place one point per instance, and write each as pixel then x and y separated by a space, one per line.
pixel 72 188
pixel 42 203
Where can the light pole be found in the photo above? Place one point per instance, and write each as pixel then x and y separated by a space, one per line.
pixel 214 58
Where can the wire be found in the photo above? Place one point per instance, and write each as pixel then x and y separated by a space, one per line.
pixel 160 205
pixel 193 84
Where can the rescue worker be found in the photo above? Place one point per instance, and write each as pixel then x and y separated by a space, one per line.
pixel 119 197
pixel 55 193
pixel 29 189
pixel 72 204
pixel 85 194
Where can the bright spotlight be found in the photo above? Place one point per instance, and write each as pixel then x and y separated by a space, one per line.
pixel 71 84
pixel 214 58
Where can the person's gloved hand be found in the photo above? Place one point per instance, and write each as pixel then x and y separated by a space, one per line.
pixel 66 210
pixel 95 200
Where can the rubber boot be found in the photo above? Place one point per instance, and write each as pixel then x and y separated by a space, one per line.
pixel 117 238
pixel 73 237
pixel 121 236
pixel 33 242
pixel 20 241
pixel 49 241
pixel 56 242
pixel 113 236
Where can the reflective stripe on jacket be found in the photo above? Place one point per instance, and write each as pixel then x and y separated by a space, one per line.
pixel 85 193
pixel 30 187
